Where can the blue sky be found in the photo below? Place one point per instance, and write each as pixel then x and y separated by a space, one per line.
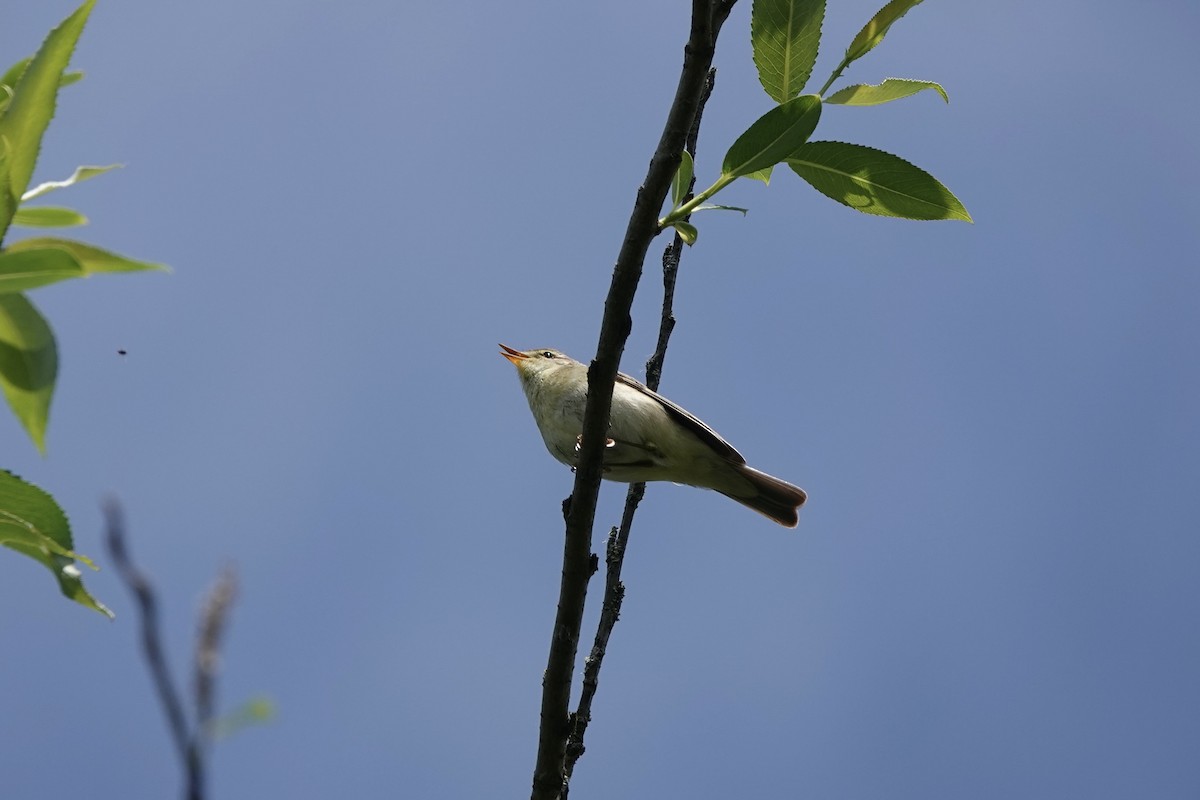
pixel 993 589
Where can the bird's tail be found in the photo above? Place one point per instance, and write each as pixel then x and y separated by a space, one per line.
pixel 770 496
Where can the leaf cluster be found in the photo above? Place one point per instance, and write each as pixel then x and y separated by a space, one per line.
pixel 786 35
pixel 30 520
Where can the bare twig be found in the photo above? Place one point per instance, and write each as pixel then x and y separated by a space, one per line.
pixel 186 746
pixel 190 742
pixel 618 538
pixel 214 617
pixel 707 18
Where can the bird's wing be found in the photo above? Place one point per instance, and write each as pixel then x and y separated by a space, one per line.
pixel 695 426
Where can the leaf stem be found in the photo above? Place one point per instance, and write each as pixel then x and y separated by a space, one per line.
pixel 687 208
pixel 837 73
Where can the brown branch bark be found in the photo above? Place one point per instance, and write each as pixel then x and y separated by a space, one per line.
pixel 618 538
pixel 190 741
pixel 580 510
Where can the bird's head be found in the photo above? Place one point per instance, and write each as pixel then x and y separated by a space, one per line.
pixel 532 364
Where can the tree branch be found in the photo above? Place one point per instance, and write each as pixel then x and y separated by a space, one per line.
pixel 707 18
pixel 186 746
pixel 190 743
pixel 214 617
pixel 618 539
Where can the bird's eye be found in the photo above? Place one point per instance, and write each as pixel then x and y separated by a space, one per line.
pixel 547 354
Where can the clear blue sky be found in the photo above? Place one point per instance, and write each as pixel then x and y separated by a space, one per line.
pixel 993 591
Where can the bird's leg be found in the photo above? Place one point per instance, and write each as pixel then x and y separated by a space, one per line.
pixel 579 443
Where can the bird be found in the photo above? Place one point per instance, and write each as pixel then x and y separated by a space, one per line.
pixel 650 438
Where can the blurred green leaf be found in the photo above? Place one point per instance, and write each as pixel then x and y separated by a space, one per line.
pixel 29 269
pixel 682 180
pixel 78 176
pixel 31 522
pixel 31 263
pixel 28 364
pixel 48 217
pixel 13 73
pixel 9 79
pixel 865 94
pixel 875 182
pixel 785 35
pixel 8 201
pixel 773 137
pixel 873 32
pixel 258 711
pixel 32 104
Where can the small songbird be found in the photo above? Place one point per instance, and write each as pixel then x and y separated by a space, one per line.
pixel 649 437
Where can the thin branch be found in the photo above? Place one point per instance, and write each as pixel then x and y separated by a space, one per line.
pixel 214 618
pixel 186 745
pixel 618 539
pixel 614 330
pixel 548 780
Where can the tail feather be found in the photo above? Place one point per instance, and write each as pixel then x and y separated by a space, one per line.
pixel 772 497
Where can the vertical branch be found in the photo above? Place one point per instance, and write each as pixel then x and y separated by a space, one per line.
pixel 214 617
pixel 168 695
pixel 618 538
pixel 190 742
pixel 548 778
pixel 707 18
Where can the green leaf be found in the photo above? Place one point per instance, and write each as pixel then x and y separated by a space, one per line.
pixel 32 104
pixel 785 35
pixel 686 231
pixel 258 711
pixel 875 182
pixel 48 217
pixel 78 176
pixel 9 79
pixel 773 137
pixel 8 200
pixel 865 94
pixel 31 263
pixel 21 270
pixel 763 175
pixel 873 32
pixel 713 207
pixel 28 364
pixel 13 73
pixel 682 181
pixel 31 522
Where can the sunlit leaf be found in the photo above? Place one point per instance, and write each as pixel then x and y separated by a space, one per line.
pixel 33 101
pixel 21 270
pixel 78 176
pixel 686 231
pixel 32 523
pixel 28 364
pixel 714 207
pixel 875 182
pixel 873 32
pixel 30 263
pixel 48 217
pixel 683 179
pixel 763 175
pixel 785 35
pixel 773 136
pixel 865 94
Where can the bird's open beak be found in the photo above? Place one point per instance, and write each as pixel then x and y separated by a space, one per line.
pixel 515 356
